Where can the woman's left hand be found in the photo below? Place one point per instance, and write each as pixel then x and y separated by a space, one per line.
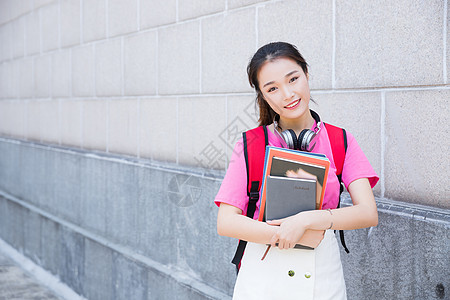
pixel 289 233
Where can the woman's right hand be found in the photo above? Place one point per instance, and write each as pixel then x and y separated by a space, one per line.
pixel 291 231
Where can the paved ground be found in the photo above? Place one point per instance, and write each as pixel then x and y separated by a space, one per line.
pixel 15 284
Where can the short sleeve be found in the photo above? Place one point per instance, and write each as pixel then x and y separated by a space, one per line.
pixel 233 190
pixel 356 164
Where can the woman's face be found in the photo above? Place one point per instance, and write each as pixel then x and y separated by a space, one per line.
pixel 285 87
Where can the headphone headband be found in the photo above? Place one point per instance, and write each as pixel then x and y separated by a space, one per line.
pixel 317 119
pixel 305 140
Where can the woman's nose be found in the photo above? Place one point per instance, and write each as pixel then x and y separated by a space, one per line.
pixel 287 93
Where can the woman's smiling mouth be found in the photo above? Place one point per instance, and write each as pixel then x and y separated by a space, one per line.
pixel 293 104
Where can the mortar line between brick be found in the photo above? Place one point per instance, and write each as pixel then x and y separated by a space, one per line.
pixel 382 142
pixel 108 102
pixel 59 123
pixel 26 119
pixel 226 126
pixel 122 64
pixel 211 15
pixel 94 53
pixel 50 76
pixel 444 39
pixel 32 78
pixel 39 109
pixel 107 18
pixel 81 22
pixel 70 74
pixel 157 62
pixel 386 89
pixel 27 133
pixel 191 20
pixel 40 32
pixel 313 92
pixel 13 19
pixel 256 28
pixel 81 123
pixel 200 88
pixel 178 131
pixel 52 51
pixel 138 136
pixel 59 24
pixel 25 52
pixel 333 54
pixel 138 15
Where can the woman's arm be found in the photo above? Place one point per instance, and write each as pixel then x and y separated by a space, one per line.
pixel 362 214
pixel 231 223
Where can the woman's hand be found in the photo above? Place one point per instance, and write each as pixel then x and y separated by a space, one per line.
pixel 292 231
pixel 312 238
pixel 289 233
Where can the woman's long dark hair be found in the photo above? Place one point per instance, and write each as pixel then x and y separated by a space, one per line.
pixel 270 52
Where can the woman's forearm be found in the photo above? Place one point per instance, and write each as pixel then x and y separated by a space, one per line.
pixel 346 218
pixel 244 228
pixel 241 227
pixel 362 214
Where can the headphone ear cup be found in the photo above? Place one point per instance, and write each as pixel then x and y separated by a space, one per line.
pixel 300 145
pixel 294 139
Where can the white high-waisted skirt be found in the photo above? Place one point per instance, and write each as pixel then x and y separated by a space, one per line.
pixel 292 273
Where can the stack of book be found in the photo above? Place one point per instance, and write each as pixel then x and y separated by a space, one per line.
pixel 293 182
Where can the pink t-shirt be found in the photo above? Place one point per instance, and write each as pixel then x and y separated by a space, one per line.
pixel 233 190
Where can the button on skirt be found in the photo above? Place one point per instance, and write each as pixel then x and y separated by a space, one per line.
pixel 292 273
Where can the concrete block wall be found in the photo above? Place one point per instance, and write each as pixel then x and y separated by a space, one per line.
pixel 164 83
pixel 114 228
pixel 97 52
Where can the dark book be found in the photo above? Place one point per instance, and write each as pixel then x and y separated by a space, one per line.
pixel 288 196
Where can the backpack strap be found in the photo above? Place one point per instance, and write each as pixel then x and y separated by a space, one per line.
pixel 254 153
pixel 338 141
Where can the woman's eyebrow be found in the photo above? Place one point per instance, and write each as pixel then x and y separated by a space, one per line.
pixel 287 75
pixel 270 82
pixel 290 73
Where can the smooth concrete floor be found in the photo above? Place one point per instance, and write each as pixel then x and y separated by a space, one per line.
pixel 15 284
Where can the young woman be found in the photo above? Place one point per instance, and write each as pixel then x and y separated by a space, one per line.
pixel 279 75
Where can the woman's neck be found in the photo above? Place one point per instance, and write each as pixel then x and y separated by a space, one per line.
pixel 306 121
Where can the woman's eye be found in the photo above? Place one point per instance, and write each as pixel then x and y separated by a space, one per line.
pixel 271 89
pixel 293 79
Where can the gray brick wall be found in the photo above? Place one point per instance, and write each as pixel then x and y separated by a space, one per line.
pixel 58 52
pixel 164 82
